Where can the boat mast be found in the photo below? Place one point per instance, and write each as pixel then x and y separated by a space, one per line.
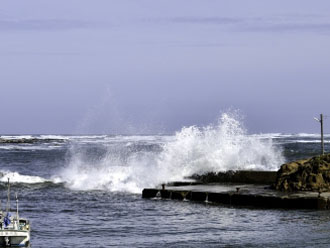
pixel 8 198
pixel 16 207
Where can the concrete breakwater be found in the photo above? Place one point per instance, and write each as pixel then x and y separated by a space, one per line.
pixel 240 188
pixel 242 195
pixel 303 184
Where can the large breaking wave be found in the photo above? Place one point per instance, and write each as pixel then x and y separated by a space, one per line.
pixel 217 147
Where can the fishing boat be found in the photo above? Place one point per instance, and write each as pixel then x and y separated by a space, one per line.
pixel 14 231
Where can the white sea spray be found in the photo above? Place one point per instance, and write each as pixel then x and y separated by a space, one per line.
pixel 15 177
pixel 218 147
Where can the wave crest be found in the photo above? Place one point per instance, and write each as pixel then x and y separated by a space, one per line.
pixel 220 147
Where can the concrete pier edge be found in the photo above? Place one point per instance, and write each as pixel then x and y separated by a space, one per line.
pixel 240 199
pixel 253 195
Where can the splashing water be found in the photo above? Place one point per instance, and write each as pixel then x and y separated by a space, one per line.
pixel 110 173
pixel 221 147
pixel 15 177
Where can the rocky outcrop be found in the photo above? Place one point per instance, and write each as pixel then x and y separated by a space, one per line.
pixel 305 175
pixel 28 141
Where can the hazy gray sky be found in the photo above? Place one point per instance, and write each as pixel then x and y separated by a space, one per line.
pixel 83 66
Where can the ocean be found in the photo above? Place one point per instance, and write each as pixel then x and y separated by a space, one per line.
pixel 85 191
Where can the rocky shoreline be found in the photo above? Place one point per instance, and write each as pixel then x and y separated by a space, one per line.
pixel 28 141
pixel 305 175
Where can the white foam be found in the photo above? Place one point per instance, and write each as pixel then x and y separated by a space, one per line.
pixel 75 137
pixel 53 137
pixel 29 147
pixel 310 141
pixel 311 135
pixel 220 147
pixel 14 137
pixel 271 135
pixel 15 177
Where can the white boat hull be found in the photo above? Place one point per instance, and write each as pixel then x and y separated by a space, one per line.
pixel 14 238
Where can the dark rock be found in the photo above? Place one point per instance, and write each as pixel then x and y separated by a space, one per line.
pixel 305 175
pixel 251 177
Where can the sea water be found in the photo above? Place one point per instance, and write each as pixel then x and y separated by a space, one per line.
pixel 85 191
